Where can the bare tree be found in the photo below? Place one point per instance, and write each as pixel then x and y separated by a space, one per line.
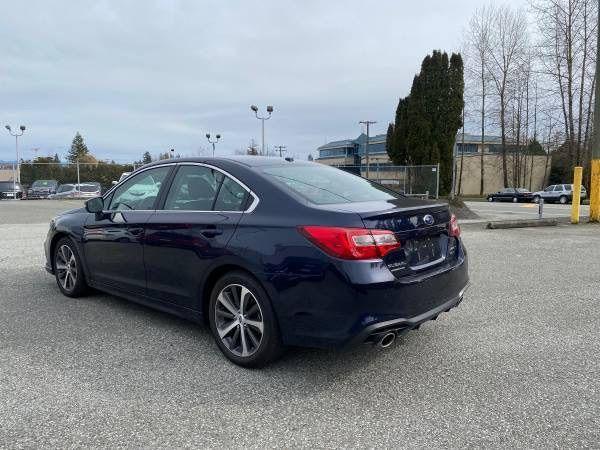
pixel 507 48
pixel 567 43
pixel 477 49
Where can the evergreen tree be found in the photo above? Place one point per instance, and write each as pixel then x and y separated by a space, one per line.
pixel 78 149
pixel 56 158
pixel 428 119
pixel 147 158
pixel 388 138
pixel 310 157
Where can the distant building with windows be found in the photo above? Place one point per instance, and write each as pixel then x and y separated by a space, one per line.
pixel 352 151
pixel 468 149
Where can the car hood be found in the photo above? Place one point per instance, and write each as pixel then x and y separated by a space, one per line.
pixel 72 211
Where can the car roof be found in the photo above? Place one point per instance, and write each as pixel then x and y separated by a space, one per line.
pixel 243 160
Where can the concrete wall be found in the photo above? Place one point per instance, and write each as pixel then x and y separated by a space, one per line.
pixel 493 180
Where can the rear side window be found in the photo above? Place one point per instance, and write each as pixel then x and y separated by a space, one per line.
pixel 323 185
pixel 232 196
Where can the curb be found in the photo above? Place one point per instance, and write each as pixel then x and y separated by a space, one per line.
pixel 524 223
pixel 519 223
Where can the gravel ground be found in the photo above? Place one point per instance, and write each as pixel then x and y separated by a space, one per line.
pixel 516 365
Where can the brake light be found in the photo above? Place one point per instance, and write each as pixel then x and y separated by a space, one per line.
pixel 351 243
pixel 453 228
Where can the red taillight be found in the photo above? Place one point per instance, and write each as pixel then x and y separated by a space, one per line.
pixel 351 243
pixel 453 228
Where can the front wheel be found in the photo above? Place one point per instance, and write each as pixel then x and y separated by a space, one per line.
pixel 563 200
pixel 67 269
pixel 242 321
pixel 536 199
pixel 515 200
pixel 490 199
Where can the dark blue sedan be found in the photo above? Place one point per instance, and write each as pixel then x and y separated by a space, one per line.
pixel 270 253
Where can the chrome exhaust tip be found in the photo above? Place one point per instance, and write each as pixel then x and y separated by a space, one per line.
pixel 387 340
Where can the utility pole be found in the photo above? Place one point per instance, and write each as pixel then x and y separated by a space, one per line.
pixel 595 178
pixel 367 123
pixel 281 149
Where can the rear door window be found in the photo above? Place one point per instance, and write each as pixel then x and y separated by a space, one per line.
pixel 194 188
pixel 231 197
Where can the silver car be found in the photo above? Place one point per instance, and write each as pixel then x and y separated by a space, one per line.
pixel 561 193
pixel 74 190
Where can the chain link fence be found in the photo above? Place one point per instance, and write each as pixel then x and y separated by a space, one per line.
pixel 417 181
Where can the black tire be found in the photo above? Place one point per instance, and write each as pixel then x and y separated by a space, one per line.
pixel 515 200
pixel 269 347
pixel 490 199
pixel 563 200
pixel 536 199
pixel 77 285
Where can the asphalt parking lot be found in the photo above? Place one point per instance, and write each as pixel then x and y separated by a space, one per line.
pixel 515 365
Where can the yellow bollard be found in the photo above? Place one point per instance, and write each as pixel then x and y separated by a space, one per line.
pixel 576 201
pixel 595 191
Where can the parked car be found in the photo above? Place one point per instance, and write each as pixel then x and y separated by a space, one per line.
pixel 74 190
pixel 11 190
pixel 511 195
pixel 270 253
pixel 561 193
pixel 122 177
pixel 42 189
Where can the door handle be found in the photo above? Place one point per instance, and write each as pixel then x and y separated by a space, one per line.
pixel 211 232
pixel 136 231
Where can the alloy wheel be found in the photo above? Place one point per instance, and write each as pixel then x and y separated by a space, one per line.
pixel 66 267
pixel 239 320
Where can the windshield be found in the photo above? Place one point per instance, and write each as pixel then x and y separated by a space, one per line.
pixel 323 185
pixel 44 184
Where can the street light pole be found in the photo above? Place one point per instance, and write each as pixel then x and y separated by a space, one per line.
pixel 17 175
pixel 367 123
pixel 218 136
pixel 262 119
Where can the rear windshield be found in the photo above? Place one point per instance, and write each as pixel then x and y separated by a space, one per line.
pixel 323 185
pixel 65 188
pixel 9 185
pixel 88 188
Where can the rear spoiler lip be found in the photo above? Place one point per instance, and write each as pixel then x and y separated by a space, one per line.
pixel 386 212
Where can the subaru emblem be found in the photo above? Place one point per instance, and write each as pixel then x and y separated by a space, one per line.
pixel 428 219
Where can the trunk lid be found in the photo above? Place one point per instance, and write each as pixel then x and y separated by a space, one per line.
pixel 421 227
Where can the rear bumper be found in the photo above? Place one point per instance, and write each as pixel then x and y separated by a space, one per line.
pixel 372 333
pixel 335 312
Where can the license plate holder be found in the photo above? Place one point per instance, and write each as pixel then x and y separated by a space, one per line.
pixel 422 251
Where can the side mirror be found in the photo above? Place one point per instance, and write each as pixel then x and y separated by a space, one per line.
pixel 94 205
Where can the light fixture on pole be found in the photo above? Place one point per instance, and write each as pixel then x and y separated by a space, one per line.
pixel 17 175
pixel 262 119
pixel 218 136
pixel 172 153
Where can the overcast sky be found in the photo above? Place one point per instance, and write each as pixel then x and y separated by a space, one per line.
pixel 151 75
